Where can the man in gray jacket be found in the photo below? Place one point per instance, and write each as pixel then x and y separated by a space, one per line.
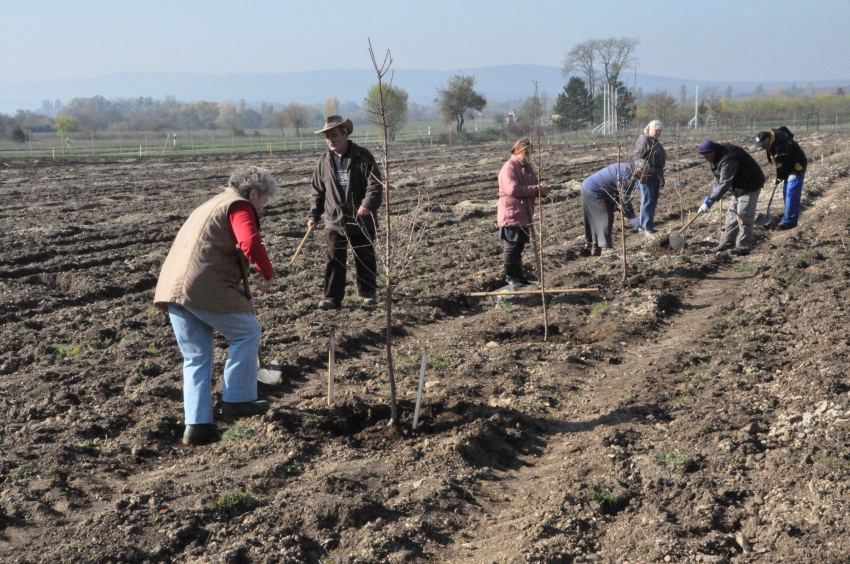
pixel 346 191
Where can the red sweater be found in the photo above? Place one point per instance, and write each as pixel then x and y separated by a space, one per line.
pixel 241 217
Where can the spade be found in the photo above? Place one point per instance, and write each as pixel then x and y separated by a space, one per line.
pixel 677 239
pixel 764 218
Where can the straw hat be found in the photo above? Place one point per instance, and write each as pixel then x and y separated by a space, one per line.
pixel 336 121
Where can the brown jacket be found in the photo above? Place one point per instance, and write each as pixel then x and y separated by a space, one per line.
pixel 364 188
pixel 202 269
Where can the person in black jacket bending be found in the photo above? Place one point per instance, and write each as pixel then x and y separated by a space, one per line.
pixel 737 172
pixel 790 161
pixel 347 191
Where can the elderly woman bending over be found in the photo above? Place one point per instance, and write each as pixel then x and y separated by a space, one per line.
pixel 200 287
pixel 517 190
pixel 650 158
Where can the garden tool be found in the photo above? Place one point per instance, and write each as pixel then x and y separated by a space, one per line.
pixel 266 373
pixel 677 239
pixel 301 244
pixel 764 218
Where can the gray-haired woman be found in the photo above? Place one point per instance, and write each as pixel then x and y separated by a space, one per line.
pixel 651 158
pixel 199 285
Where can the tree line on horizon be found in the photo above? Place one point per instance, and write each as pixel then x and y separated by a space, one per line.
pixel 587 68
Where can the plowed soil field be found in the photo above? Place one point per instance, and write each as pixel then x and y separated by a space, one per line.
pixel 697 411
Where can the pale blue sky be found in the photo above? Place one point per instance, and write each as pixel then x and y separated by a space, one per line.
pixel 721 40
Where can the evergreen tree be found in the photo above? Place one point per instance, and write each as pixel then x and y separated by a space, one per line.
pixel 573 105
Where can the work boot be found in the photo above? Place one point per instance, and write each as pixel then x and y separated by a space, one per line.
pixel 719 248
pixel 785 226
pixel 368 300
pixel 518 275
pixel 740 251
pixel 328 304
pixel 244 408
pixel 596 251
pixel 201 434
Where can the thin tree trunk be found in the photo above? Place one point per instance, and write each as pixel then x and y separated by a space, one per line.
pixel 540 214
pixel 389 247
pixel 679 186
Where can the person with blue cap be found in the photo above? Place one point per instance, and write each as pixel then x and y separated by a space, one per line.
pixel 737 172
pixel 790 161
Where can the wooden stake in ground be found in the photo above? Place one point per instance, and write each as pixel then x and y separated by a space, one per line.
pixel 419 391
pixel 521 292
pixel 331 362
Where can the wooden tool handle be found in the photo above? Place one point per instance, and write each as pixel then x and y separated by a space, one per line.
pixel 688 224
pixel 304 240
pixel 243 267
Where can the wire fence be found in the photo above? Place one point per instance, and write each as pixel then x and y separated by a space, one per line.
pixel 202 142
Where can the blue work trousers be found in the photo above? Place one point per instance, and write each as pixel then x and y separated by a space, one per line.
pixel 649 190
pixel 792 191
pixel 194 331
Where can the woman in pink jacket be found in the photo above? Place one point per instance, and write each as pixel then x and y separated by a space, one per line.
pixel 517 190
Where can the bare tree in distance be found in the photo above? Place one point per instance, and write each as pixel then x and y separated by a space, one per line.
pixel 331 107
pixel 296 116
pixel 393 100
pixel 616 54
pixel 457 98
pixel 681 95
pixel 279 120
pixel 714 101
pixel 582 58
pixel 659 104
pixel 601 61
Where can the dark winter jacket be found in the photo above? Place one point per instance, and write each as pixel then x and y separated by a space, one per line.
pixel 647 148
pixel 328 198
pixel 785 154
pixel 734 169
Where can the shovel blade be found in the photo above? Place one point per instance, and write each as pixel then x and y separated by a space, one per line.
pixel 269 373
pixel 677 241
pixel 763 218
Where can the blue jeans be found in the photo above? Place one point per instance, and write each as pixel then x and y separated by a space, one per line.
pixel 792 191
pixel 648 201
pixel 194 331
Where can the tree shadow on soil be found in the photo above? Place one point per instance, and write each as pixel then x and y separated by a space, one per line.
pixel 500 437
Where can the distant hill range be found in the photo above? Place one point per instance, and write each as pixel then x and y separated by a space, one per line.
pixel 500 83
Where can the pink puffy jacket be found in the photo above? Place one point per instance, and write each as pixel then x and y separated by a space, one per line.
pixel 516 194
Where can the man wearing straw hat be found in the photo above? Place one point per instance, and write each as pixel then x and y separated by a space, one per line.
pixel 347 192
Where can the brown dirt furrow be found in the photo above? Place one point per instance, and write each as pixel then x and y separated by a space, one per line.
pixel 619 395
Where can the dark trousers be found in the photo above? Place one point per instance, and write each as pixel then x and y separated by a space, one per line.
pixel 360 234
pixel 512 252
pixel 598 220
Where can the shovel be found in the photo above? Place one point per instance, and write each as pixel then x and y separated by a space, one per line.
pixel 764 218
pixel 677 239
